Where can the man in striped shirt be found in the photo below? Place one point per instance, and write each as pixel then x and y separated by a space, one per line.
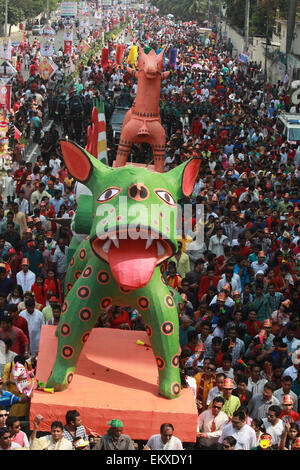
pixel 73 427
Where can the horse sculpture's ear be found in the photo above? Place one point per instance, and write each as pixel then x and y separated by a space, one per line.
pixel 77 161
pixel 184 176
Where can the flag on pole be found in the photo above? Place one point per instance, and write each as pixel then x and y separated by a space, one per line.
pixel 97 142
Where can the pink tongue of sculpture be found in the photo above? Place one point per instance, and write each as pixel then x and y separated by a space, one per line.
pixel 131 264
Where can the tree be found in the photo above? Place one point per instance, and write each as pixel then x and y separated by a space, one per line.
pixel 261 12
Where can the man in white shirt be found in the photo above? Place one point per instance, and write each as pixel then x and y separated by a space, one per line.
pixel 274 425
pixel 217 390
pixel 255 382
pixel 217 243
pixel 229 277
pixel 243 433
pixel 25 277
pixel 165 440
pixel 35 320
pixel 210 424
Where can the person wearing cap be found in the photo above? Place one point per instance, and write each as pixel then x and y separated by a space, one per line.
pixel 114 439
pixel 241 431
pixel 25 277
pixel 288 413
pixel 286 389
pixel 53 441
pixel 274 425
pixel 231 402
pixel 165 440
pixel 210 425
pixel 35 258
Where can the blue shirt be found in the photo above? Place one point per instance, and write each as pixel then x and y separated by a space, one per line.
pixel 7 399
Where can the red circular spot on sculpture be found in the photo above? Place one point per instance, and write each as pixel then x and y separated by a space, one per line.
pixel 87 272
pixel 69 286
pixel 67 352
pixel 119 218
pixel 82 254
pixel 105 302
pixel 175 388
pixel 85 337
pixel 83 292
pixel 148 330
pixel 77 275
pixel 65 329
pixel 103 277
pixel 160 362
pixel 169 301
pixel 143 303
pixel 167 328
pixel 175 360
pixel 180 307
pixel 85 314
pixel 72 261
pixel 64 307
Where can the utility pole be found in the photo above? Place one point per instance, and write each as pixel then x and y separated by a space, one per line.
pixel 290 29
pixel 5 18
pixel 246 26
pixel 266 49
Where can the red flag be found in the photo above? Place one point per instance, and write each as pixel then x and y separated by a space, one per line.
pixel 17 133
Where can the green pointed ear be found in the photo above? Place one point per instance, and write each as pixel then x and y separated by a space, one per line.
pixel 184 177
pixel 81 165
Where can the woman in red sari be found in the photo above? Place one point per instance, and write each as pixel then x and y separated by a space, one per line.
pixel 52 286
pixel 38 289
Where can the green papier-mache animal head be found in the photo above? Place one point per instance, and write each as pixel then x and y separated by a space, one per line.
pixel 134 212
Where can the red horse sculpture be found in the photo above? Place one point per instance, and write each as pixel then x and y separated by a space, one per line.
pixel 142 122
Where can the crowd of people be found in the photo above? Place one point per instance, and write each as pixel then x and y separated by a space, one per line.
pixel 240 325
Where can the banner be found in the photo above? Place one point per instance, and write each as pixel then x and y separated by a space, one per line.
pixel 5 49
pixel 83 47
pixel 48 31
pixel 46 68
pixel 5 97
pixel 68 9
pixel 84 27
pixel 68 48
pixel 68 33
pixel 47 48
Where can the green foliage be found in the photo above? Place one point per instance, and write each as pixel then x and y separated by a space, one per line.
pixel 187 9
pixel 19 10
pixel 262 13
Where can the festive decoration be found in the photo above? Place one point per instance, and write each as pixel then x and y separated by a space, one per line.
pixel 132 56
pixel 24 379
pixel 97 143
pixel 118 261
pixel 142 122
